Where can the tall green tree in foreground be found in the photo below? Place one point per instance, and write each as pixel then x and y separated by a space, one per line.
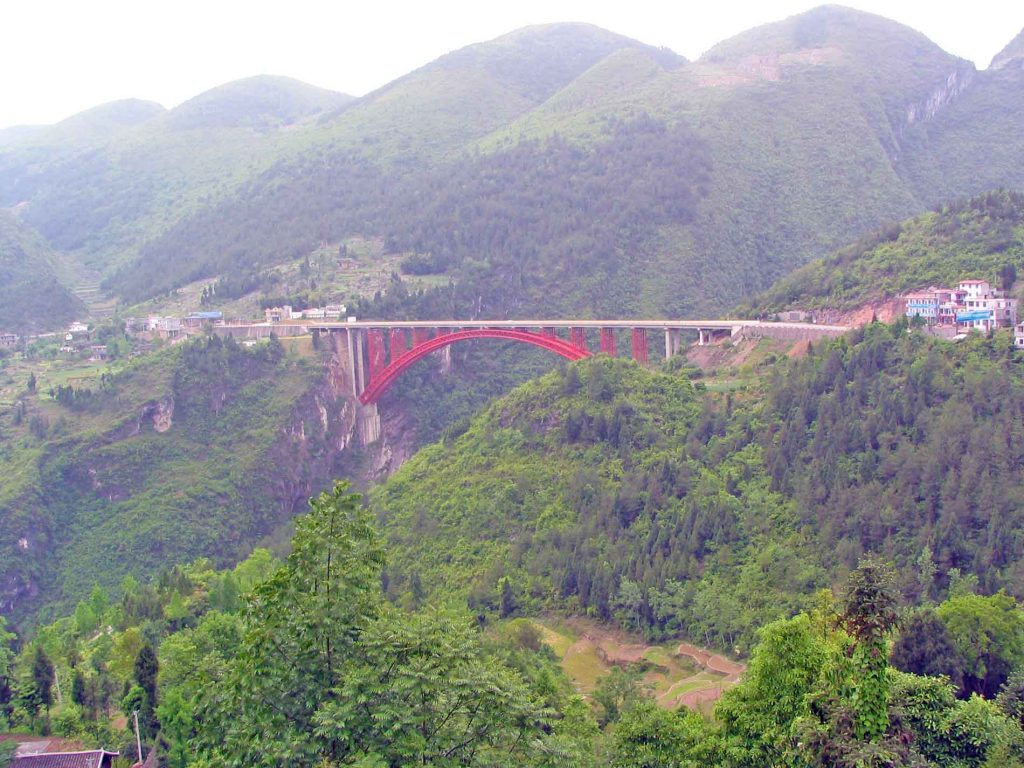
pixel 329 674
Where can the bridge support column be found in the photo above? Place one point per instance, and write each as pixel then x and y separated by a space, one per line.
pixel 355 350
pixel 671 343
pixel 375 351
pixel 419 335
pixel 577 338
pixel 639 339
pixel 446 352
pixel 702 337
pixel 397 342
pixel 369 424
pixel 608 341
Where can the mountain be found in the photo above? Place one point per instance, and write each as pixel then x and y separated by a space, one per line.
pixel 94 124
pixel 1011 56
pixel 100 183
pixel 978 237
pixel 782 144
pixel 641 497
pixel 31 295
pixel 158 463
pixel 256 102
pixel 497 165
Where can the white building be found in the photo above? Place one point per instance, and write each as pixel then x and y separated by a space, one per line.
pixel 279 314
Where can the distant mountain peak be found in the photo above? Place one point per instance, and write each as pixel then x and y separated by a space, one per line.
pixel 825 26
pixel 1012 55
pixel 262 101
pixel 123 113
pixel 538 60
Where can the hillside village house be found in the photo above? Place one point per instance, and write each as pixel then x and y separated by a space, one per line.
pixel 165 327
pixel 8 340
pixel 972 305
pixel 280 314
pixel 77 332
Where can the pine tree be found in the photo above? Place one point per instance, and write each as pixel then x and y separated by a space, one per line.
pixel 43 676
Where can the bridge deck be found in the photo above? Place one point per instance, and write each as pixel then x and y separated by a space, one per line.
pixel 704 325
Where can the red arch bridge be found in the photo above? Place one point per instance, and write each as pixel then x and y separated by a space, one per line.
pixel 374 353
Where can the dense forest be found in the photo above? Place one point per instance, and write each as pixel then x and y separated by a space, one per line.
pixel 306 663
pixel 95 490
pixel 634 497
pixel 547 225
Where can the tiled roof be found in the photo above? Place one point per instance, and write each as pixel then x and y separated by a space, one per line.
pixel 92 759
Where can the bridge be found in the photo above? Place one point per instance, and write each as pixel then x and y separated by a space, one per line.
pixel 374 353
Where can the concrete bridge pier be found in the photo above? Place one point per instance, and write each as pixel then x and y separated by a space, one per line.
pixel 369 424
pixel 672 343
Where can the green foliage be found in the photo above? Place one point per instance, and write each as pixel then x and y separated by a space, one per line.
pixel 327 671
pixel 617 691
pixel 31 295
pixel 988 633
pixel 980 237
pixel 104 497
pixel 650 737
pixel 758 715
pixel 869 616
pixel 40 689
pixel 925 647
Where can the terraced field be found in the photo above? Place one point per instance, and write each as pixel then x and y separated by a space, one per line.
pixel 675 674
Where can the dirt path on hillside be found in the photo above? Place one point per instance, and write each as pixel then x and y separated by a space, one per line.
pixel 713 661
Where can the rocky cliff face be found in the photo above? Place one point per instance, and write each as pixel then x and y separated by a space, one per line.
pixel 171 481
pixel 942 96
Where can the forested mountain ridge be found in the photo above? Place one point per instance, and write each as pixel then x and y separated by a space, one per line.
pixel 629 495
pixel 100 183
pixel 31 295
pixel 806 133
pixel 980 237
pixel 199 450
pixel 791 140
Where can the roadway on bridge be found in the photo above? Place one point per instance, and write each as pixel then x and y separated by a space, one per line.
pixel 563 323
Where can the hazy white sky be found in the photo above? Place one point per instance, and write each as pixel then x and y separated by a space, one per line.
pixel 58 57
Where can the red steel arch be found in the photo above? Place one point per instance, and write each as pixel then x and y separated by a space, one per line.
pixel 379 384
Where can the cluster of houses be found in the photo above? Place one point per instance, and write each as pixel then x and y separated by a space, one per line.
pixel 78 340
pixel 974 305
pixel 282 314
pixel 171 328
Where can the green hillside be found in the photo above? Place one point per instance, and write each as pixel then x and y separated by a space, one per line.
pixel 630 495
pixel 101 183
pixel 773 149
pixel 788 141
pixel 156 463
pixel 978 237
pixel 31 295
pixel 259 103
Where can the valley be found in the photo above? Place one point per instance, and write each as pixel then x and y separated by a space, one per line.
pixel 780 525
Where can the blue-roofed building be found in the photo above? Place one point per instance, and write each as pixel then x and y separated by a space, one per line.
pixel 199 319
